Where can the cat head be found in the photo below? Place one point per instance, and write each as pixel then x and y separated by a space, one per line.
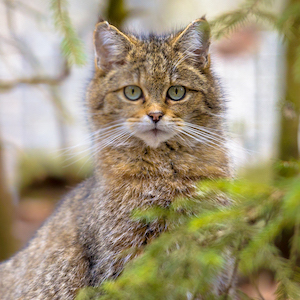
pixel 154 88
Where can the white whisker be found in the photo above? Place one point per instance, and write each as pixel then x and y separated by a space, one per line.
pixel 208 129
pixel 219 139
pixel 92 140
pixel 90 136
pixel 186 142
pixel 112 133
pixel 205 141
pixel 116 139
pixel 206 133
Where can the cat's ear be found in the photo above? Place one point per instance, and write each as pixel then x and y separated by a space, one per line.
pixel 111 46
pixel 194 42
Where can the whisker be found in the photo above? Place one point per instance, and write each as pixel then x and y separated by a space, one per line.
pixel 111 140
pixel 93 140
pixel 90 136
pixel 205 141
pixel 108 134
pixel 186 142
pixel 213 130
pixel 230 144
pixel 110 131
pixel 208 129
pixel 88 157
pixel 206 135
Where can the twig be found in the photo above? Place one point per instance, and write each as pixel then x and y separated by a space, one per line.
pixel 25 7
pixel 10 84
pixel 235 269
pixel 232 278
pixel 21 46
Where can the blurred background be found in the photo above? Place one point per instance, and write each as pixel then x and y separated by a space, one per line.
pixel 44 145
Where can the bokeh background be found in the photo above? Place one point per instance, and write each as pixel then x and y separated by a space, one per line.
pixel 44 144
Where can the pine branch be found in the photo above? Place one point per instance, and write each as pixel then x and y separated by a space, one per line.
pixel 231 21
pixel 265 16
pixel 189 258
pixel 71 45
pixel 289 21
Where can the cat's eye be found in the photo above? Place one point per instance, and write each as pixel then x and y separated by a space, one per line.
pixel 176 92
pixel 132 92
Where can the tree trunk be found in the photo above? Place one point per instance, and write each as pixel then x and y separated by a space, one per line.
pixel 7 241
pixel 288 140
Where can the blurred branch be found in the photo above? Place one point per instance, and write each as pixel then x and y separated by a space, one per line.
pixel 20 45
pixel 62 114
pixel 10 84
pixel 24 7
pixel 233 276
pixel 251 9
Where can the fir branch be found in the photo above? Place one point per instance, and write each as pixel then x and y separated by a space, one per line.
pixel 186 262
pixel 231 21
pixel 71 45
pixel 227 23
pixel 289 21
pixel 265 16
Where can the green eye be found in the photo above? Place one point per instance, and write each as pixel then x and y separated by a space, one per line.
pixel 132 92
pixel 176 92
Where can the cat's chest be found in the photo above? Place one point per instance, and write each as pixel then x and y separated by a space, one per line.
pixel 142 192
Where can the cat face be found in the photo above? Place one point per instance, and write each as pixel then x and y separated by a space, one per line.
pixel 154 89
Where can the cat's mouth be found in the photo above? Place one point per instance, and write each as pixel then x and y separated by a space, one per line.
pixel 156 131
pixel 152 134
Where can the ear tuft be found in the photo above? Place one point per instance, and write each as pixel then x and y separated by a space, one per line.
pixel 111 46
pixel 194 42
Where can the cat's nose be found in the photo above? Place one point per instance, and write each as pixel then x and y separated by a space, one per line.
pixel 155 116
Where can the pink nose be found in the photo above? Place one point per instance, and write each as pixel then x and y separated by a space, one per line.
pixel 155 116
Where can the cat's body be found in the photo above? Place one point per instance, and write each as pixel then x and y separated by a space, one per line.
pixel 148 150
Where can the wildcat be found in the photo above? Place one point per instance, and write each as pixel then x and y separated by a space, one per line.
pixel 153 106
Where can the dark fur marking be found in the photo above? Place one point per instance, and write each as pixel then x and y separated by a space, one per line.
pixel 170 147
pixel 172 166
pixel 208 104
